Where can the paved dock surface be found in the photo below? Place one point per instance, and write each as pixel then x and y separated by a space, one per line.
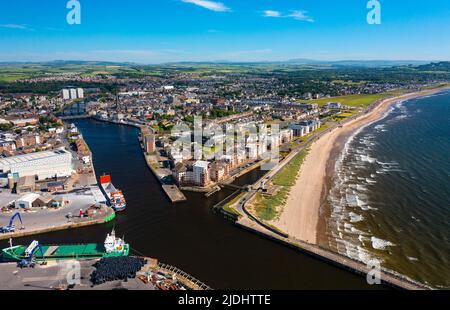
pixel 174 193
pixel 54 277
pixel 40 220
pixel 163 174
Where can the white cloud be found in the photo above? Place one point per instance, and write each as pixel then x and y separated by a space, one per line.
pixel 210 5
pixel 298 15
pixel 270 13
pixel 15 26
pixel 301 15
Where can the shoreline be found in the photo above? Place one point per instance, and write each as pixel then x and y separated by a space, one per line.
pixel 304 215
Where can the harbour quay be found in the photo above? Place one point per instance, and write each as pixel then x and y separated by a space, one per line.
pixel 153 160
pixel 81 275
pixel 51 190
pixel 36 220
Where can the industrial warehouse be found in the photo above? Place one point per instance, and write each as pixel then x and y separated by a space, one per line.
pixel 41 165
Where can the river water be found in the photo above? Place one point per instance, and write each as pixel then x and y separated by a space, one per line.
pixel 391 193
pixel 189 235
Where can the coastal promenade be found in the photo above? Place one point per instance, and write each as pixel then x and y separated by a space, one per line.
pixel 280 234
pixel 247 221
pixel 387 277
pixel 301 214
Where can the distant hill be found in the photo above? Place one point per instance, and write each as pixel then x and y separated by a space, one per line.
pixel 62 63
pixel 300 61
pixel 359 63
pixel 312 62
pixel 435 66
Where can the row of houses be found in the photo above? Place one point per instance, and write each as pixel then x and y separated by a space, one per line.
pixel 202 173
pixel 305 127
pixel 250 145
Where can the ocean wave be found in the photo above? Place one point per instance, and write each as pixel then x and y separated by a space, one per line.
pixel 367 158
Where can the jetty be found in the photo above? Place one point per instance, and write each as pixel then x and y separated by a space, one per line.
pixel 242 218
pixel 387 277
pixel 164 175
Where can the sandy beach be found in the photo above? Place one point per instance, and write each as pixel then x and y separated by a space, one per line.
pixel 301 214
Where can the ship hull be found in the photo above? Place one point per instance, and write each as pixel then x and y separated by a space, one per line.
pixel 63 252
pixel 115 196
pixel 119 208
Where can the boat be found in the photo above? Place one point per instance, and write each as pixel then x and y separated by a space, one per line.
pixel 115 196
pixel 112 247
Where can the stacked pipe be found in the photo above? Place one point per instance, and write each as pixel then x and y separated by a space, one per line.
pixel 116 268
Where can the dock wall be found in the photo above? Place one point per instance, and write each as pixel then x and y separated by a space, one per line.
pixel 388 278
pixel 108 218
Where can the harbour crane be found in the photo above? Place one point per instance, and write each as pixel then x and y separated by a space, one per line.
pixel 11 227
pixel 29 252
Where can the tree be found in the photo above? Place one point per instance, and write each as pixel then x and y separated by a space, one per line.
pixel 6 126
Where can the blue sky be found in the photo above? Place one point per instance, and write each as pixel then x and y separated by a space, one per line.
pixel 155 31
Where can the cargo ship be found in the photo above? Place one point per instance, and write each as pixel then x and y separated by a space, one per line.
pixel 115 196
pixel 112 247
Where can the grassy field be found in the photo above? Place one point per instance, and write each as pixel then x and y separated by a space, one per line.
pixel 365 100
pixel 268 208
pixel 358 101
pixel 342 116
pixel 351 100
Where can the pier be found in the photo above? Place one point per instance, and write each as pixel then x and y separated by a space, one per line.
pixel 174 193
pixel 184 278
pixel 163 175
pixel 388 278
pixel 251 223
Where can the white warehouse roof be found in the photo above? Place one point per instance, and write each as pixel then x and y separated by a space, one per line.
pixel 44 164
pixel 8 161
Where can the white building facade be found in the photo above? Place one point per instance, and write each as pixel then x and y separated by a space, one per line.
pixel 42 165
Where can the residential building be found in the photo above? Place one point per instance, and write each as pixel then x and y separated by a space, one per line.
pixel 201 173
